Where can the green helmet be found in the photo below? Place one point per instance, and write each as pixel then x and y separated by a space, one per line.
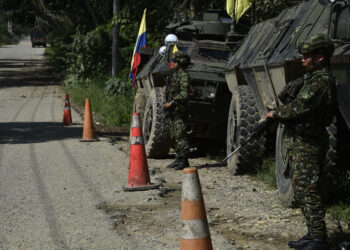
pixel 319 43
pixel 181 57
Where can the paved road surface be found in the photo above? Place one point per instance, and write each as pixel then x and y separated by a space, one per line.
pixel 50 183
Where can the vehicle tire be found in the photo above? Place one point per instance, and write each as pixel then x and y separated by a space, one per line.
pixel 283 175
pixel 243 116
pixel 155 127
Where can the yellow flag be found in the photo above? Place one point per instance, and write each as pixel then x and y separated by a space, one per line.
pixel 241 7
pixel 229 7
pixel 175 49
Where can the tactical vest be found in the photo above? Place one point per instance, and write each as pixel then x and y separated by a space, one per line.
pixel 313 125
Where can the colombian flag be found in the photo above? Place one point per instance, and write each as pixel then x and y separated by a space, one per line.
pixel 140 42
pixel 175 49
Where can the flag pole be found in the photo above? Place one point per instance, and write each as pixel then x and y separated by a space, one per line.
pixel 233 25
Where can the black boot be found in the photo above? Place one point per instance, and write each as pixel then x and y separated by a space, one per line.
pixel 174 163
pixel 184 164
pixel 301 242
pixel 315 244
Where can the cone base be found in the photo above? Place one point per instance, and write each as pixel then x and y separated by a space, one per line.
pixel 88 140
pixel 141 188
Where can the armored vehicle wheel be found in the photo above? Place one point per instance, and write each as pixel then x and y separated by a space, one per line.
pixel 155 127
pixel 243 115
pixel 283 175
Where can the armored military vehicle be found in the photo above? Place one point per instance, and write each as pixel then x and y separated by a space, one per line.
pixel 266 61
pixel 210 44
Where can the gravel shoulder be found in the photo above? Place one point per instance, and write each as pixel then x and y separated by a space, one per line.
pixel 243 213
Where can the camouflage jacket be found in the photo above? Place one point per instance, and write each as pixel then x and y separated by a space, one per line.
pixel 313 108
pixel 178 90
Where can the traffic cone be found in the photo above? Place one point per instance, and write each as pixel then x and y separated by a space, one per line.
pixel 88 132
pixel 67 117
pixel 139 178
pixel 195 229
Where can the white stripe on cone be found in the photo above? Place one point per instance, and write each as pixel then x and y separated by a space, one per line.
pixel 191 189
pixel 195 229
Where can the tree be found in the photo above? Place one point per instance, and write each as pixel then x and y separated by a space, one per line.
pixel 115 43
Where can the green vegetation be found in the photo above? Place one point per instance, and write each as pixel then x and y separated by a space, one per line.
pixel 340 211
pixel 114 109
pixel 5 36
pixel 267 172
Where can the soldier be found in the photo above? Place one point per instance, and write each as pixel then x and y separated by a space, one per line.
pixel 176 106
pixel 305 136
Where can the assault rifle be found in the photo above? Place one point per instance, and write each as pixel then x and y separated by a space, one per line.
pixel 291 90
pixel 260 128
pixel 288 94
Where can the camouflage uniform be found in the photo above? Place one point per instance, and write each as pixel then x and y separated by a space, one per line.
pixel 178 113
pixel 306 141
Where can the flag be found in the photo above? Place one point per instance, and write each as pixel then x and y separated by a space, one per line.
pixel 230 7
pixel 141 41
pixel 175 49
pixel 240 7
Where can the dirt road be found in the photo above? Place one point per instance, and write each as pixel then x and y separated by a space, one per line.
pixel 59 193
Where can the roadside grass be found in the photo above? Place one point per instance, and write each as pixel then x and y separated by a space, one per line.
pixel 267 173
pixel 113 110
pixel 6 40
pixel 50 52
pixel 340 211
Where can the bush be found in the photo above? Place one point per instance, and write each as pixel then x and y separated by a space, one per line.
pixel 90 54
pixel 116 86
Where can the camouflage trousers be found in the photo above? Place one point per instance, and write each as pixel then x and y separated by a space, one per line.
pixel 305 161
pixel 179 136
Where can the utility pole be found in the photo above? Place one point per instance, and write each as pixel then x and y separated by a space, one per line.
pixel 115 43
pixel 9 26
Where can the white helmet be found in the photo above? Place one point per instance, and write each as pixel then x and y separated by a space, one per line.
pixel 170 39
pixel 162 50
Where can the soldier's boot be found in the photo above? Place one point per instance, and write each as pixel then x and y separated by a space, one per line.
pixel 301 242
pixel 315 244
pixel 175 163
pixel 184 164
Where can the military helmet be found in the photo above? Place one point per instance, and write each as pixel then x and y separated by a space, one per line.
pixel 319 43
pixel 181 57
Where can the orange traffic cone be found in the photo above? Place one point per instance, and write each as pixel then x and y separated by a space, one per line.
pixel 88 132
pixel 195 229
pixel 139 178
pixel 67 117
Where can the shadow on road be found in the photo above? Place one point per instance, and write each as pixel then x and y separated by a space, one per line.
pixel 36 132
pixel 21 72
